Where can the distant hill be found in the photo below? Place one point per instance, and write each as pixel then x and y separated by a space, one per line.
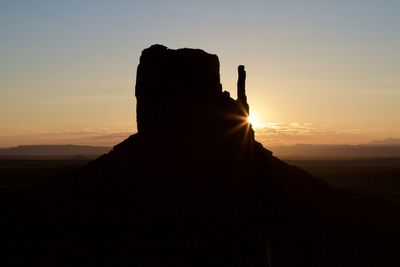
pixel 388 141
pixel 53 150
pixel 376 149
pixel 373 150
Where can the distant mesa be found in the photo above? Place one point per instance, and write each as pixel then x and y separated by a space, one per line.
pixel 372 150
pixel 388 141
pixel 53 150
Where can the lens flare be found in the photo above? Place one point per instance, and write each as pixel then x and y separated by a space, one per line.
pixel 253 120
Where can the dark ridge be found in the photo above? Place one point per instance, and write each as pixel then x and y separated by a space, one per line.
pixel 194 188
pixel 324 152
pixel 53 150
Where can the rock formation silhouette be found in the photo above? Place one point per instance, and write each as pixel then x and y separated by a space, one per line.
pixel 241 88
pixel 194 188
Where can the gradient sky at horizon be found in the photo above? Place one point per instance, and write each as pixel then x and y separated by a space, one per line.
pixel 317 71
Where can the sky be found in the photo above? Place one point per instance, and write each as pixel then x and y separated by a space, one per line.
pixel 318 71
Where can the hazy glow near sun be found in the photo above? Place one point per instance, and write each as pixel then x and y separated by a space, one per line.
pixel 254 120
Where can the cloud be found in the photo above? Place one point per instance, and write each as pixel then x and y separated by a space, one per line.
pixel 66 133
pixel 113 135
pixel 269 134
pixel 300 133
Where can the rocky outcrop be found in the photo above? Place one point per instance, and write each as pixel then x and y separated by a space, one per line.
pixel 241 88
pixel 179 96
pixel 182 109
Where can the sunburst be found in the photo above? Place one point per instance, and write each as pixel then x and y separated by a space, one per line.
pixel 253 119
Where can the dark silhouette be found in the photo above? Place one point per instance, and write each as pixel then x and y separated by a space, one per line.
pixel 194 188
pixel 53 150
pixel 241 88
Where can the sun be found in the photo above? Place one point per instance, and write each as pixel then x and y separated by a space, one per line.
pixel 253 119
